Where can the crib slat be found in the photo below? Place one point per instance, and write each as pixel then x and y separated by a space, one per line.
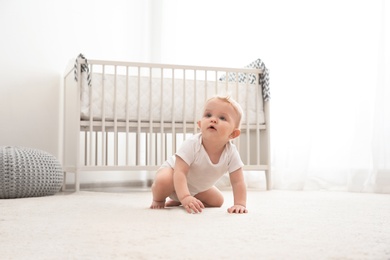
pixel 90 121
pixel 173 116
pixel 96 148
pixel 248 143
pixel 127 117
pixel 195 100
pixel 162 147
pixel 103 130
pixel 216 81
pixel 237 97
pixel 115 117
pixel 257 123
pixel 107 150
pixel 150 155
pixel 184 105
pixel 138 146
pixel 226 82
pixel 85 148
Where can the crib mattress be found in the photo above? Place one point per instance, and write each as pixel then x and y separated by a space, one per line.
pixel 147 99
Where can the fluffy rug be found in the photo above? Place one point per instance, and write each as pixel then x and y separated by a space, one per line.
pixel 119 225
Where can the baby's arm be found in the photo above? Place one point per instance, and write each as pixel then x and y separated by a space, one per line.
pixel 239 192
pixel 190 203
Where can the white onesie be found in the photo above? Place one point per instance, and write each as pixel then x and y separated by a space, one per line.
pixel 203 174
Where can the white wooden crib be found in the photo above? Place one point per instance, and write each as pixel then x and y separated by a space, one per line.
pixel 128 116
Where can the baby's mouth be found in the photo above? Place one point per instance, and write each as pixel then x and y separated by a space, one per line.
pixel 212 127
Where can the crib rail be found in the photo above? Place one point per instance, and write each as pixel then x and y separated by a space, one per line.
pixel 114 140
pixel 168 66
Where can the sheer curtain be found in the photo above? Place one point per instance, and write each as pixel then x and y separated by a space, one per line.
pixel 329 76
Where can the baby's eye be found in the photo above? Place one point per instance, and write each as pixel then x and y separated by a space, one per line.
pixel 207 115
pixel 222 118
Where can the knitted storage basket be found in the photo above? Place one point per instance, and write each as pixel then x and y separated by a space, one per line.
pixel 27 172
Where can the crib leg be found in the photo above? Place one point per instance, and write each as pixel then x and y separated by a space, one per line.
pixel 64 183
pixel 268 179
pixel 76 181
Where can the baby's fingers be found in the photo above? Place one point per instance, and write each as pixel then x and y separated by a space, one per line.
pixel 194 207
pixel 237 209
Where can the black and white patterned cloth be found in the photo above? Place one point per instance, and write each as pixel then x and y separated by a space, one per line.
pixel 263 77
pixel 84 68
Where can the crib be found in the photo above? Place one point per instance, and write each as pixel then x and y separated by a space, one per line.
pixel 130 116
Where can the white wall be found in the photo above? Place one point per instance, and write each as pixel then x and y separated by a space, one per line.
pixel 322 56
pixel 327 75
pixel 39 38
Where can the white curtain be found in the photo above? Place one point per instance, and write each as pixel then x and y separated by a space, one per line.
pixel 329 78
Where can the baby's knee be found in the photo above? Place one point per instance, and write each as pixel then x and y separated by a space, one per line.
pixel 219 201
pixel 163 179
pixel 211 198
pixel 216 202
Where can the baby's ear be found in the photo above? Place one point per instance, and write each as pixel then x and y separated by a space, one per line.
pixel 235 133
pixel 198 123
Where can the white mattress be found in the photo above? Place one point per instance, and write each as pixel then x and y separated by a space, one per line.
pixel 180 98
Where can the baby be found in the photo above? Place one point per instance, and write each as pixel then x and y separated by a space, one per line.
pixel 189 176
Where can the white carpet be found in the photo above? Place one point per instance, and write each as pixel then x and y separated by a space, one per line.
pixel 279 225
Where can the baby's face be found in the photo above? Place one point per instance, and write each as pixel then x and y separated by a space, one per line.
pixel 219 120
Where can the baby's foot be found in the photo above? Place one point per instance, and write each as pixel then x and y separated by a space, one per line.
pixel 157 204
pixel 172 203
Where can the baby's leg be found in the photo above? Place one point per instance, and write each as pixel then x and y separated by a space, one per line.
pixel 211 198
pixel 162 187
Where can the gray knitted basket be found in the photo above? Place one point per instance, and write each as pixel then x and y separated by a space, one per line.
pixel 27 172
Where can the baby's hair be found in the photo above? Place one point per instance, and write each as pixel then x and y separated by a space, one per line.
pixel 236 106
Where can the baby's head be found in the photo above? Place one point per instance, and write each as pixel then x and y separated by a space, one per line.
pixel 236 107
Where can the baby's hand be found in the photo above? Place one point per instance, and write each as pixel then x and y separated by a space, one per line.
pixel 237 209
pixel 192 204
